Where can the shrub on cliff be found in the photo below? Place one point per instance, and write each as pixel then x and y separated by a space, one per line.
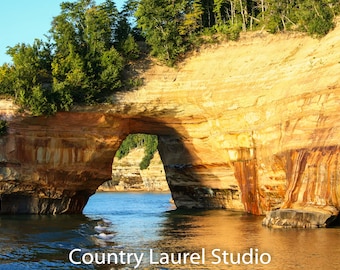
pixel 6 80
pixel 148 142
pixel 150 147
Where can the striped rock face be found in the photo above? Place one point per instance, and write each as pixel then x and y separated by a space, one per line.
pixel 251 126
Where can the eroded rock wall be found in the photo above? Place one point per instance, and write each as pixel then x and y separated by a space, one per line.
pixel 251 126
pixel 62 159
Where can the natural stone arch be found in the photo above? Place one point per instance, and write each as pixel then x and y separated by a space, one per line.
pixel 137 166
pixel 54 165
pixel 258 141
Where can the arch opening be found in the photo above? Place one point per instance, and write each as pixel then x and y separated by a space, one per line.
pixel 137 166
pixel 57 171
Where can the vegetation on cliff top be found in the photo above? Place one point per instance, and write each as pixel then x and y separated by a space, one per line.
pixel 90 46
pixel 148 142
pixel 172 27
pixel 82 62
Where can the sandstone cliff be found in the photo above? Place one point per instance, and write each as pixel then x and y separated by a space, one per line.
pixel 127 175
pixel 252 125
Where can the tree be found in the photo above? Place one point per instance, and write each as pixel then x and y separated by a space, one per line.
pixel 30 76
pixel 208 16
pixel 148 142
pixel 30 65
pixel 90 45
pixel 220 11
pixel 84 35
pixel 111 66
pixel 69 75
pixel 80 63
pixel 192 21
pixel 160 21
pixel 150 147
pixel 126 33
pixel 7 80
pixel 316 16
pixel 38 102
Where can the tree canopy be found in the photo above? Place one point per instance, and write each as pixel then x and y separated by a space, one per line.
pixel 171 27
pixel 81 62
pixel 89 45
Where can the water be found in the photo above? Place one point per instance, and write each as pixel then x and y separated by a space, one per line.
pixel 140 223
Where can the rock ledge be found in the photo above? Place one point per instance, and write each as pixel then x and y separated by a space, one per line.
pixel 304 218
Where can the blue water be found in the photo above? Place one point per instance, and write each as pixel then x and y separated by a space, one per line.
pixel 136 223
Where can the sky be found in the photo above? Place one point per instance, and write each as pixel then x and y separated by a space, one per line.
pixel 22 21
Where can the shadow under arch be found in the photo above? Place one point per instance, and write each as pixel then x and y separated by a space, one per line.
pixel 185 174
pixel 60 161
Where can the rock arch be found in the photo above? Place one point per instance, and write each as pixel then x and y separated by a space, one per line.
pixel 253 132
pixel 53 164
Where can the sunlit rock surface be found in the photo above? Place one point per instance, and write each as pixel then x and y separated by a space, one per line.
pixel 251 126
pixel 127 175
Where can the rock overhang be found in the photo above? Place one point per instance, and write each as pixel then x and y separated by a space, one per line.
pixel 245 132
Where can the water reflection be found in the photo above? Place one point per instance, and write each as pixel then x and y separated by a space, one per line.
pixel 238 233
pixel 138 224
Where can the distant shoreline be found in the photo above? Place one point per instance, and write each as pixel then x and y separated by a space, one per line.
pixel 134 191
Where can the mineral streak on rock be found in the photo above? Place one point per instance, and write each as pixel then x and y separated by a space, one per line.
pixel 251 126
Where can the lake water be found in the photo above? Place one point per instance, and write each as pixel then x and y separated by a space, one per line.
pixel 143 229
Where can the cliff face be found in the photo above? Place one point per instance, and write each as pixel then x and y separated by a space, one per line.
pixel 127 175
pixel 250 126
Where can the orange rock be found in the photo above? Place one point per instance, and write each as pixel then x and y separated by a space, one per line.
pixel 251 126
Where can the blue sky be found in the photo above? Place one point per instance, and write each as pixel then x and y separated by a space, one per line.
pixel 22 21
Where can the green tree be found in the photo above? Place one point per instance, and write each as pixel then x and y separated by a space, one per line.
pixel 316 16
pixel 90 45
pixel 220 7
pixel 7 80
pixel 39 101
pixel 112 64
pixel 150 147
pixel 78 64
pixel 160 21
pixel 125 33
pixel 31 66
pixel 208 16
pixel 30 76
pixel 86 64
pixel 69 75
pixel 192 21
